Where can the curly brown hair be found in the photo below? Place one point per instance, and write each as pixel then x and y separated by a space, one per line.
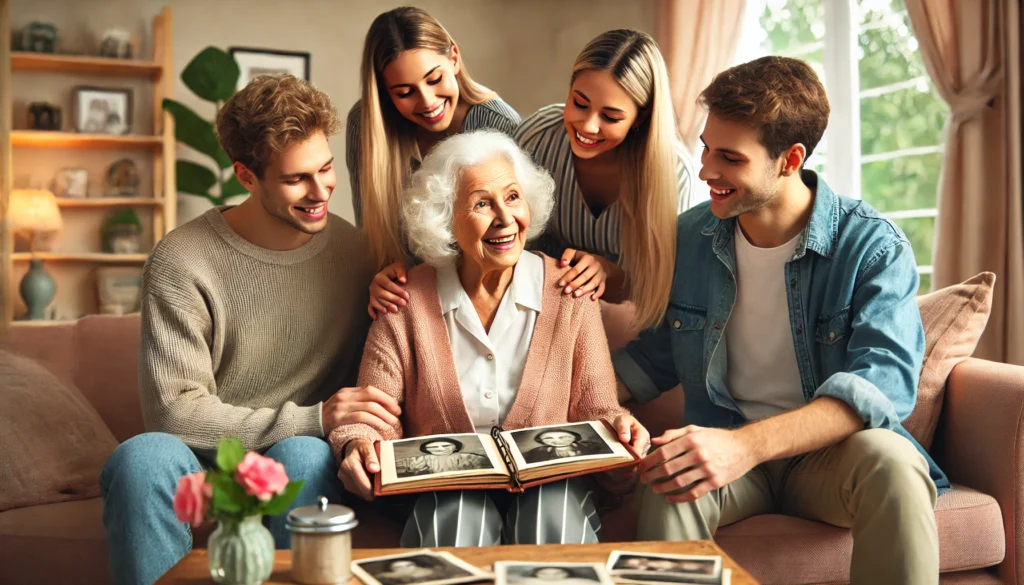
pixel 780 97
pixel 269 115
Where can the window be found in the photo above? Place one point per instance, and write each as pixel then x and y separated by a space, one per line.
pixel 884 139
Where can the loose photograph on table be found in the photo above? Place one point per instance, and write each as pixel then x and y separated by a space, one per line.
pixel 421 567
pixel 515 573
pixel 637 567
pixel 557 444
pixel 438 455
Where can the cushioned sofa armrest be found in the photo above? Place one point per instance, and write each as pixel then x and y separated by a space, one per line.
pixel 983 439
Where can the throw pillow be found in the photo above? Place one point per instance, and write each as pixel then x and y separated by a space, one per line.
pixel 54 443
pixel 954 319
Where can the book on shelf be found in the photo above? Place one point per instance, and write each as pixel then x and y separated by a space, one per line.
pixel 510 460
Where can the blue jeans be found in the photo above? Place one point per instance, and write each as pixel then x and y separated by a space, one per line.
pixel 144 537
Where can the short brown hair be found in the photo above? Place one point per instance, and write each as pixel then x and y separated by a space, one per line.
pixel 269 115
pixel 780 97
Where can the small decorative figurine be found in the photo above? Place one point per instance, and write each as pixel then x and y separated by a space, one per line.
pixel 39 37
pixel 44 116
pixel 123 179
pixel 116 44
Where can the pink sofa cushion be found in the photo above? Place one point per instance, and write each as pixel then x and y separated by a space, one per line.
pixel 54 442
pixel 954 319
pixel 785 549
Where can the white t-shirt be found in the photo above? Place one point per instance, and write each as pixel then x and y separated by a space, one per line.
pixel 490 363
pixel 763 377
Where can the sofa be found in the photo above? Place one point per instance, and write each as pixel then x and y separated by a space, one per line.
pixel 979 441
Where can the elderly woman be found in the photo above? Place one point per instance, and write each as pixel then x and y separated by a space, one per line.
pixel 486 339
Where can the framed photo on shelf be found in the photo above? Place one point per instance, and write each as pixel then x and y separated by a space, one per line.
pixel 71 183
pixel 253 62
pixel 102 110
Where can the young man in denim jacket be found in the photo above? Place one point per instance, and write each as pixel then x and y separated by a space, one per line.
pixel 794 330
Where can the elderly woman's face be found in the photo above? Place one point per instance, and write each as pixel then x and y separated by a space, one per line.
pixel 491 216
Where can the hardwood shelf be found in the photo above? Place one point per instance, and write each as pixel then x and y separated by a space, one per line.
pixel 109 202
pixel 47 139
pixel 97 257
pixel 86 65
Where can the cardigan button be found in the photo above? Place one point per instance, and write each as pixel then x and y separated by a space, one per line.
pixel 490 356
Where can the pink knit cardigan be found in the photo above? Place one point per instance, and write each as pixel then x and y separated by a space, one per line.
pixel 568 375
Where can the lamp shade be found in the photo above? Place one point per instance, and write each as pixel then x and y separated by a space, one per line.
pixel 33 210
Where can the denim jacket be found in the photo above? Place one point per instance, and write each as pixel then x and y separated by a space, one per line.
pixel 851 289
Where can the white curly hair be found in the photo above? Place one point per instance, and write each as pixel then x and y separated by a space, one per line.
pixel 429 202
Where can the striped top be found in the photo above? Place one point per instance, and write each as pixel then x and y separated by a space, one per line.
pixel 494 114
pixel 572 223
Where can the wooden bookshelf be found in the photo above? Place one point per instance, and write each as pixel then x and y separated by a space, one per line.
pixel 96 257
pixel 72 269
pixel 48 139
pixel 84 65
pixel 91 202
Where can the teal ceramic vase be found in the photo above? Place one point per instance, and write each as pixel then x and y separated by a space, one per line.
pixel 241 552
pixel 37 290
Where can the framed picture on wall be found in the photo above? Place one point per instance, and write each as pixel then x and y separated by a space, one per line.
pixel 253 62
pixel 101 110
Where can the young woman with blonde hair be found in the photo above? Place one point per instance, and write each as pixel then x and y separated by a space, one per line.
pixel 416 90
pixel 620 171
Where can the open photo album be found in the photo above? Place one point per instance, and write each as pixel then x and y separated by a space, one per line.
pixel 509 460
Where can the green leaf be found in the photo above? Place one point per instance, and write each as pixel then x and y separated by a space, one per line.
pixel 229 455
pixel 232 188
pixel 279 503
pixel 195 132
pixel 194 179
pixel 228 496
pixel 211 75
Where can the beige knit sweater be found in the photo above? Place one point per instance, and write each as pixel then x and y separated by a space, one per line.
pixel 568 375
pixel 241 341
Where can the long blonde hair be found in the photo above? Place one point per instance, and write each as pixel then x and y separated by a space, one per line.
pixel 649 187
pixel 388 139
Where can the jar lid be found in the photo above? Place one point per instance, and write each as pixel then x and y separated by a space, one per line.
pixel 323 518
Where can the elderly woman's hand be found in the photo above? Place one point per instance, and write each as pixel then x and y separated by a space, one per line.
pixel 359 463
pixel 588 273
pixel 633 433
pixel 386 292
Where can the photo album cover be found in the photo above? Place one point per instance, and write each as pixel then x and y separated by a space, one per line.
pixel 665 569
pixel 510 460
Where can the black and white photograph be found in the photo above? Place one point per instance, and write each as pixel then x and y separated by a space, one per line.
pixel 253 62
pixel 101 110
pixel 552 444
pixel 419 567
pixel 512 573
pixel 439 455
pixel 634 567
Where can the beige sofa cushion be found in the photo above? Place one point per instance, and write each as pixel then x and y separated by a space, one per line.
pixel 55 444
pixel 954 319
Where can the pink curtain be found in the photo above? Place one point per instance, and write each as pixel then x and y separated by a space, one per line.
pixel 698 39
pixel 972 53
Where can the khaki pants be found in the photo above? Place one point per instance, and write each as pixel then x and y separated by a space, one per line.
pixel 874 482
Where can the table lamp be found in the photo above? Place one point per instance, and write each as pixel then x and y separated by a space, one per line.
pixel 31 212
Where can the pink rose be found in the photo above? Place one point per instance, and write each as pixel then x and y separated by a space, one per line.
pixel 192 498
pixel 261 476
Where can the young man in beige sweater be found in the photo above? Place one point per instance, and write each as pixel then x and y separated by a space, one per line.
pixel 252 327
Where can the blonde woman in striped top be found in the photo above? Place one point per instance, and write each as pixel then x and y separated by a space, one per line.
pixel 620 172
pixel 416 90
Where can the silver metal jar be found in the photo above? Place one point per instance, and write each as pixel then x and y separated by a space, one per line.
pixel 321 543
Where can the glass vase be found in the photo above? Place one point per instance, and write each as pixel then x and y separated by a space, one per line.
pixel 241 552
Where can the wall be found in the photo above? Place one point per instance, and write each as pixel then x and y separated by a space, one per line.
pixel 523 49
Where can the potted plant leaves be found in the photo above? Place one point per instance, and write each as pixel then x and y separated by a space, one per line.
pixel 122 232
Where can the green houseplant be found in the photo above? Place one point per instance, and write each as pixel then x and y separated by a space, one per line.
pixel 211 75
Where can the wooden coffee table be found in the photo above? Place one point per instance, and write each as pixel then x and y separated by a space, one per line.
pixel 194 569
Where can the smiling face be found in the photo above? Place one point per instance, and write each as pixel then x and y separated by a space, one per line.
pixel 403 567
pixel 296 184
pixel 491 216
pixel 598 113
pixel 737 168
pixel 440 447
pixel 423 87
pixel 551 574
pixel 557 438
